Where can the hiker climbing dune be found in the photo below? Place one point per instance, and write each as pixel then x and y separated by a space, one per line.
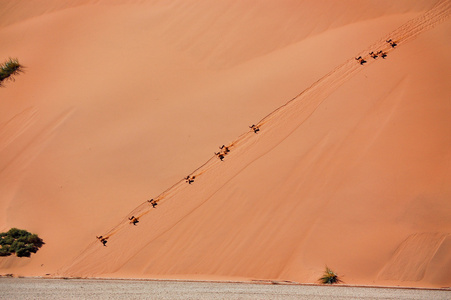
pixel 392 43
pixel 374 55
pixel 360 60
pixel 220 155
pixel 254 128
pixel 190 179
pixel 133 220
pixel 224 151
pixel 152 202
pixel 102 240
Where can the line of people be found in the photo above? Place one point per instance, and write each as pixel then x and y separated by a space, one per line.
pixel 380 53
pixel 224 150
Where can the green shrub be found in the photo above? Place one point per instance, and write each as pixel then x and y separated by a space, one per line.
pixel 329 277
pixel 9 69
pixel 20 242
pixel 5 251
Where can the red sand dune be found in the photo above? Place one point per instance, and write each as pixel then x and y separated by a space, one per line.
pixel 120 100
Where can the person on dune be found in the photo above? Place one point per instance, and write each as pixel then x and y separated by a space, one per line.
pixel 102 240
pixel 133 220
pixel 220 155
pixel 254 128
pixel 392 43
pixel 225 149
pixel 190 179
pixel 373 55
pixel 382 54
pixel 360 60
pixel 153 202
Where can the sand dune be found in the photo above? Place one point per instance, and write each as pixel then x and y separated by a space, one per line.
pixel 121 100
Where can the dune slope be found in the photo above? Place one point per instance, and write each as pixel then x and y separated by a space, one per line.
pixel 120 101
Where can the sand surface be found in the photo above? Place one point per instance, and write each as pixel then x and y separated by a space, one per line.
pixel 120 100
pixel 129 289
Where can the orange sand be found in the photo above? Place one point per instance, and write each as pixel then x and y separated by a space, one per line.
pixel 122 99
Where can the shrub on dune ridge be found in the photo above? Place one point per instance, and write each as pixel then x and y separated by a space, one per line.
pixel 20 242
pixel 329 277
pixel 10 68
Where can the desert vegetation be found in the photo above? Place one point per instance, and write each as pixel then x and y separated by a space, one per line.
pixel 19 242
pixel 329 277
pixel 9 69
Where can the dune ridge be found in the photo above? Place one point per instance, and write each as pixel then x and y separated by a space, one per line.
pixel 121 101
pixel 298 109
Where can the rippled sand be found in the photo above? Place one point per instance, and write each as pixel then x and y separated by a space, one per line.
pixel 26 288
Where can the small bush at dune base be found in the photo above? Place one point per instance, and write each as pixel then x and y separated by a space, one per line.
pixel 19 242
pixel 329 277
pixel 9 69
